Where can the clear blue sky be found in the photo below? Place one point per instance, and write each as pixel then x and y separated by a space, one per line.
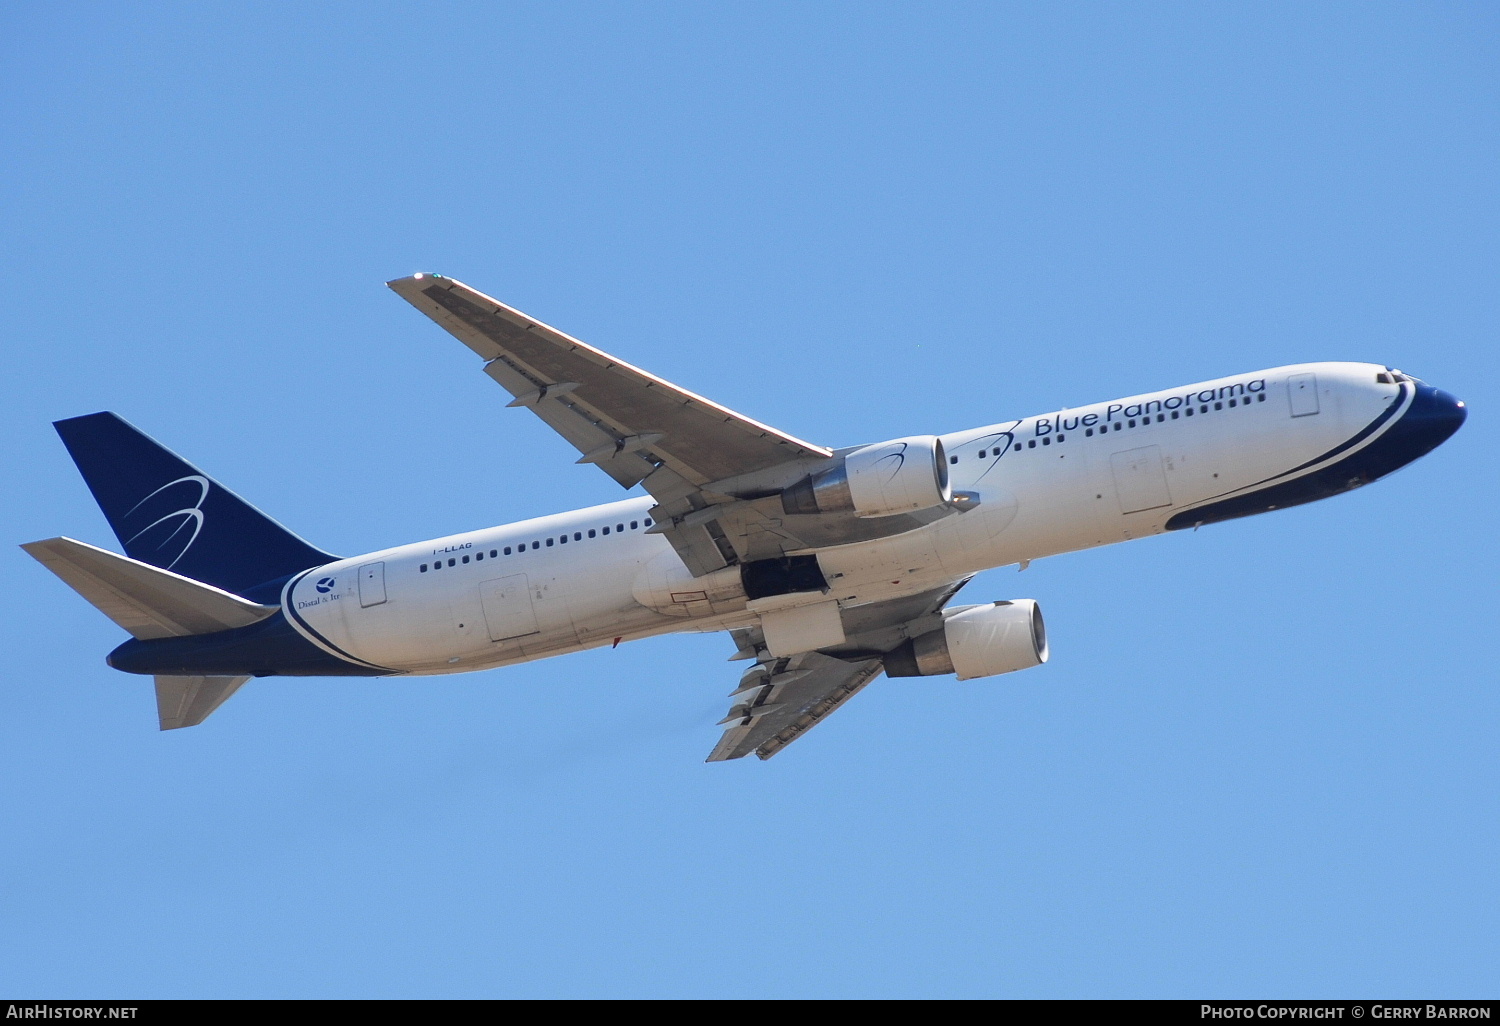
pixel 1263 758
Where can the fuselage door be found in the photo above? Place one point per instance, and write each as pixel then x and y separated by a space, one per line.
pixel 1302 390
pixel 1140 481
pixel 372 584
pixel 507 607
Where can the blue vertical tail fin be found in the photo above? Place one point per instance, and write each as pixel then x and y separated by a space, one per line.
pixel 168 513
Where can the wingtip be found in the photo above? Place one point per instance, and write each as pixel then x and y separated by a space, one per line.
pixel 413 279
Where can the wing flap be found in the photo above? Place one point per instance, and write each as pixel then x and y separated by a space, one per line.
pixel 787 704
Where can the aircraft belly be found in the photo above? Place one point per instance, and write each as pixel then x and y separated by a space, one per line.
pixel 595 598
pixel 428 622
pixel 1067 520
pixel 1047 509
pixel 855 569
pixel 970 540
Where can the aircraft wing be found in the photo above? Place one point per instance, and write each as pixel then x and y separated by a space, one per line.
pixel 779 700
pixel 628 422
pixel 716 475
pixel 782 704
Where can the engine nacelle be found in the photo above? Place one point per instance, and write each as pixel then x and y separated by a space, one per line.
pixel 881 480
pixel 976 641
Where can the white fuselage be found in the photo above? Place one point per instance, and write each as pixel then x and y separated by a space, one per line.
pixel 1049 484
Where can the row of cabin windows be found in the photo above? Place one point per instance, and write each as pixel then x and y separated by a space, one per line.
pixel 561 539
pixel 984 453
pixel 1120 425
pixel 1186 411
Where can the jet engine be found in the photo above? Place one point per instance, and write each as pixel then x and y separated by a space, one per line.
pixel 975 641
pixel 881 480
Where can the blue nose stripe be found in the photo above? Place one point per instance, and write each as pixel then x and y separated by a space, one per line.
pixel 1433 418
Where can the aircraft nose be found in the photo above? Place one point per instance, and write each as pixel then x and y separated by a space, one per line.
pixel 1437 414
pixel 1432 418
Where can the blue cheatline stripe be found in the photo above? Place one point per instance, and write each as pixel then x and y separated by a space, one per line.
pixel 1368 430
pixel 1365 432
pixel 296 618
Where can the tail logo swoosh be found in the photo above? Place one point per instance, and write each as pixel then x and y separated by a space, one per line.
pixel 180 520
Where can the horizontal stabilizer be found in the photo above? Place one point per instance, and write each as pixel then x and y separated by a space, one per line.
pixel 187 701
pixel 145 600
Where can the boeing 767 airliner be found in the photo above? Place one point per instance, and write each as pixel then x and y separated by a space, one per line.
pixel 826 566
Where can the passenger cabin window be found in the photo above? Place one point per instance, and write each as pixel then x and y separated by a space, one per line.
pixel 647 521
pixel 423 568
pixel 507 550
pixel 606 530
pixel 451 562
pixel 493 553
pixel 466 559
pixel 634 526
pixel 591 532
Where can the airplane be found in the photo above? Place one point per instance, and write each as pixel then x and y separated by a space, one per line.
pixel 826 566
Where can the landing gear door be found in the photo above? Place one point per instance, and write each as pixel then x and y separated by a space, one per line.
pixel 1302 390
pixel 372 584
